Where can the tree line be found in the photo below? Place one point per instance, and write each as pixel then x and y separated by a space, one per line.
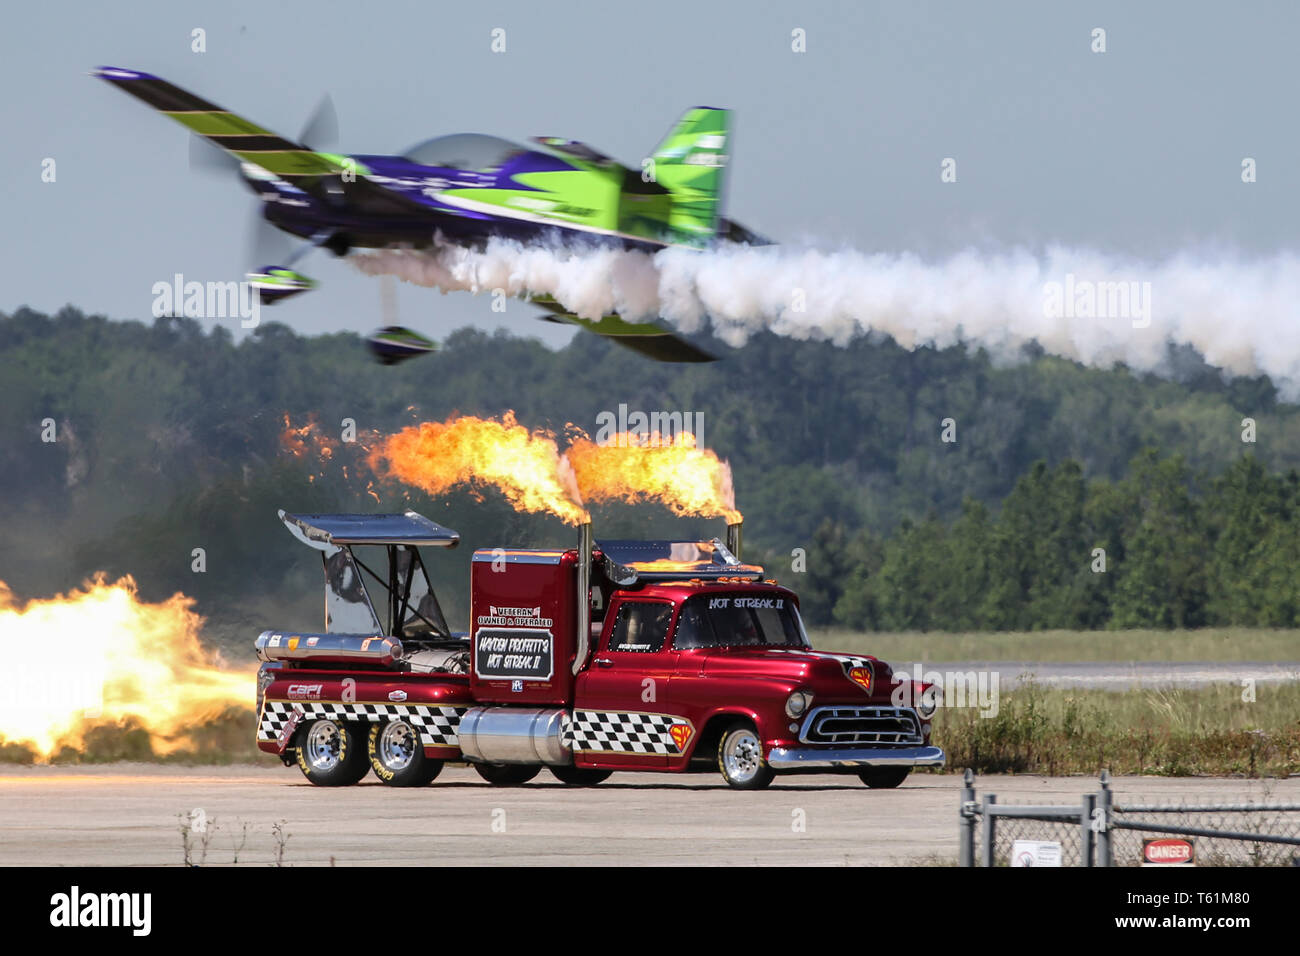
pixel 169 438
pixel 1163 547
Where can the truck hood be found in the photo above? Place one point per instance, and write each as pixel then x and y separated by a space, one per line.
pixel 829 676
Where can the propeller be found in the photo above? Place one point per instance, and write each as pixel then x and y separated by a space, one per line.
pixel 321 131
pixel 266 245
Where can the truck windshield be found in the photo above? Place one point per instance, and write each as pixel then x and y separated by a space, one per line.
pixel 731 620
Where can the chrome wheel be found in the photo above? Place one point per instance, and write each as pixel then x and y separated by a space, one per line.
pixel 323 746
pixel 397 743
pixel 743 756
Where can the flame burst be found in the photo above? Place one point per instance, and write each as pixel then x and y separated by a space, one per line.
pixel 313 446
pixel 100 655
pixel 634 467
pixel 526 466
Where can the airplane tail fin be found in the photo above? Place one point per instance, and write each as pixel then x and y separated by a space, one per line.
pixel 689 163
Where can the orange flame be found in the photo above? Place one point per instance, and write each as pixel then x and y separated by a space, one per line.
pixel 526 466
pixel 314 447
pixel 100 655
pixel 632 467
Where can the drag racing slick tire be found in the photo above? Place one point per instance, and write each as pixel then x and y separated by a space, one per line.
pixel 580 776
pixel 507 774
pixel 884 778
pixel 740 758
pixel 331 754
pixel 397 755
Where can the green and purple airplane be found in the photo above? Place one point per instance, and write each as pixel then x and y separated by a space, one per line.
pixel 465 189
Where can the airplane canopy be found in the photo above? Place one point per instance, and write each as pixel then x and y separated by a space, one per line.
pixel 464 151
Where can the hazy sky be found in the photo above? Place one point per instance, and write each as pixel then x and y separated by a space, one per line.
pixel 1137 150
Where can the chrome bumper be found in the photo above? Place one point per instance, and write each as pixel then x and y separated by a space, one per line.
pixel 809 758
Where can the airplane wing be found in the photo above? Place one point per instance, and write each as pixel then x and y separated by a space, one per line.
pixel 647 338
pixel 318 174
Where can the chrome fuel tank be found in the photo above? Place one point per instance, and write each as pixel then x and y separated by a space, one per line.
pixel 528 735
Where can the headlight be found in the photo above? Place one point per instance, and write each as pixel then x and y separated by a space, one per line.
pixel 928 701
pixel 797 704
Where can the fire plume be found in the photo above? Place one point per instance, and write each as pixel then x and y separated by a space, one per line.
pixel 101 655
pixel 526 466
pixel 635 467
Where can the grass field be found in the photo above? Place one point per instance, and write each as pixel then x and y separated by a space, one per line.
pixel 1206 730
pixel 1173 732
pixel 1208 644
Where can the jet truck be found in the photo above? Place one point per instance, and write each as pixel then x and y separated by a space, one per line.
pixel 664 656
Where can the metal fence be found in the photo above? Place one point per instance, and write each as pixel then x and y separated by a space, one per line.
pixel 1097 831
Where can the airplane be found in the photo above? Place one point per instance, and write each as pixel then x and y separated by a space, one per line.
pixel 465 189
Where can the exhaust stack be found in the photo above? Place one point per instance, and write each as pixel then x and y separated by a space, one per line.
pixel 584 596
pixel 733 538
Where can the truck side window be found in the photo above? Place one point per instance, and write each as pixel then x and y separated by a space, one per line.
pixel 642 627
pixel 692 629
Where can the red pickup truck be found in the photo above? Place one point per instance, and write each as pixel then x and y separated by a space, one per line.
pixel 667 656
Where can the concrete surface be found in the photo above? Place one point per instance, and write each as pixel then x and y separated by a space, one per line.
pixel 127 814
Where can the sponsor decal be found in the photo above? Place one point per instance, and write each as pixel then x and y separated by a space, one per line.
pixel 293 643
pixel 290 725
pixel 397 696
pixel 304 691
pixel 365 645
pixel 274 641
pixel 514 653
pixel 311 641
pixel 1168 851
pixel 862 677
pixel 756 603
pixel 517 686
pixel 681 734
pixel 513 617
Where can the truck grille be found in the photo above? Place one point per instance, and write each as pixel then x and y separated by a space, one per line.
pixel 861 725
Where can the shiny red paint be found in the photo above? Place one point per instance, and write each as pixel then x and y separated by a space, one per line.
pixel 303 685
pixel 702 688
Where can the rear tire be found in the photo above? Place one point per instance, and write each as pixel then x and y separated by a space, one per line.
pixel 397 755
pixel 740 758
pixel 884 778
pixel 507 774
pixel 330 753
pixel 580 776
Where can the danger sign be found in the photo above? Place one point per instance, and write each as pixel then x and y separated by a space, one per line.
pixel 1168 852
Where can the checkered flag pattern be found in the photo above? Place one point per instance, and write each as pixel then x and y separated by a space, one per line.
pixel 437 725
pixel 622 733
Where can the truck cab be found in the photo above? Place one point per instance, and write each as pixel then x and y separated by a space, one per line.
pixel 718 660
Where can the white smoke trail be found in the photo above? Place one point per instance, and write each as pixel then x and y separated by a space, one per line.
pixel 1240 315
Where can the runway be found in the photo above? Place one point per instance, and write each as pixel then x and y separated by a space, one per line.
pixel 1118 675
pixel 132 814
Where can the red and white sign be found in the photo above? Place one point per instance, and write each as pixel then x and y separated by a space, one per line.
pixel 1169 851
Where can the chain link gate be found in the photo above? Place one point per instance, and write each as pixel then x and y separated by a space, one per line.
pixel 1098 832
